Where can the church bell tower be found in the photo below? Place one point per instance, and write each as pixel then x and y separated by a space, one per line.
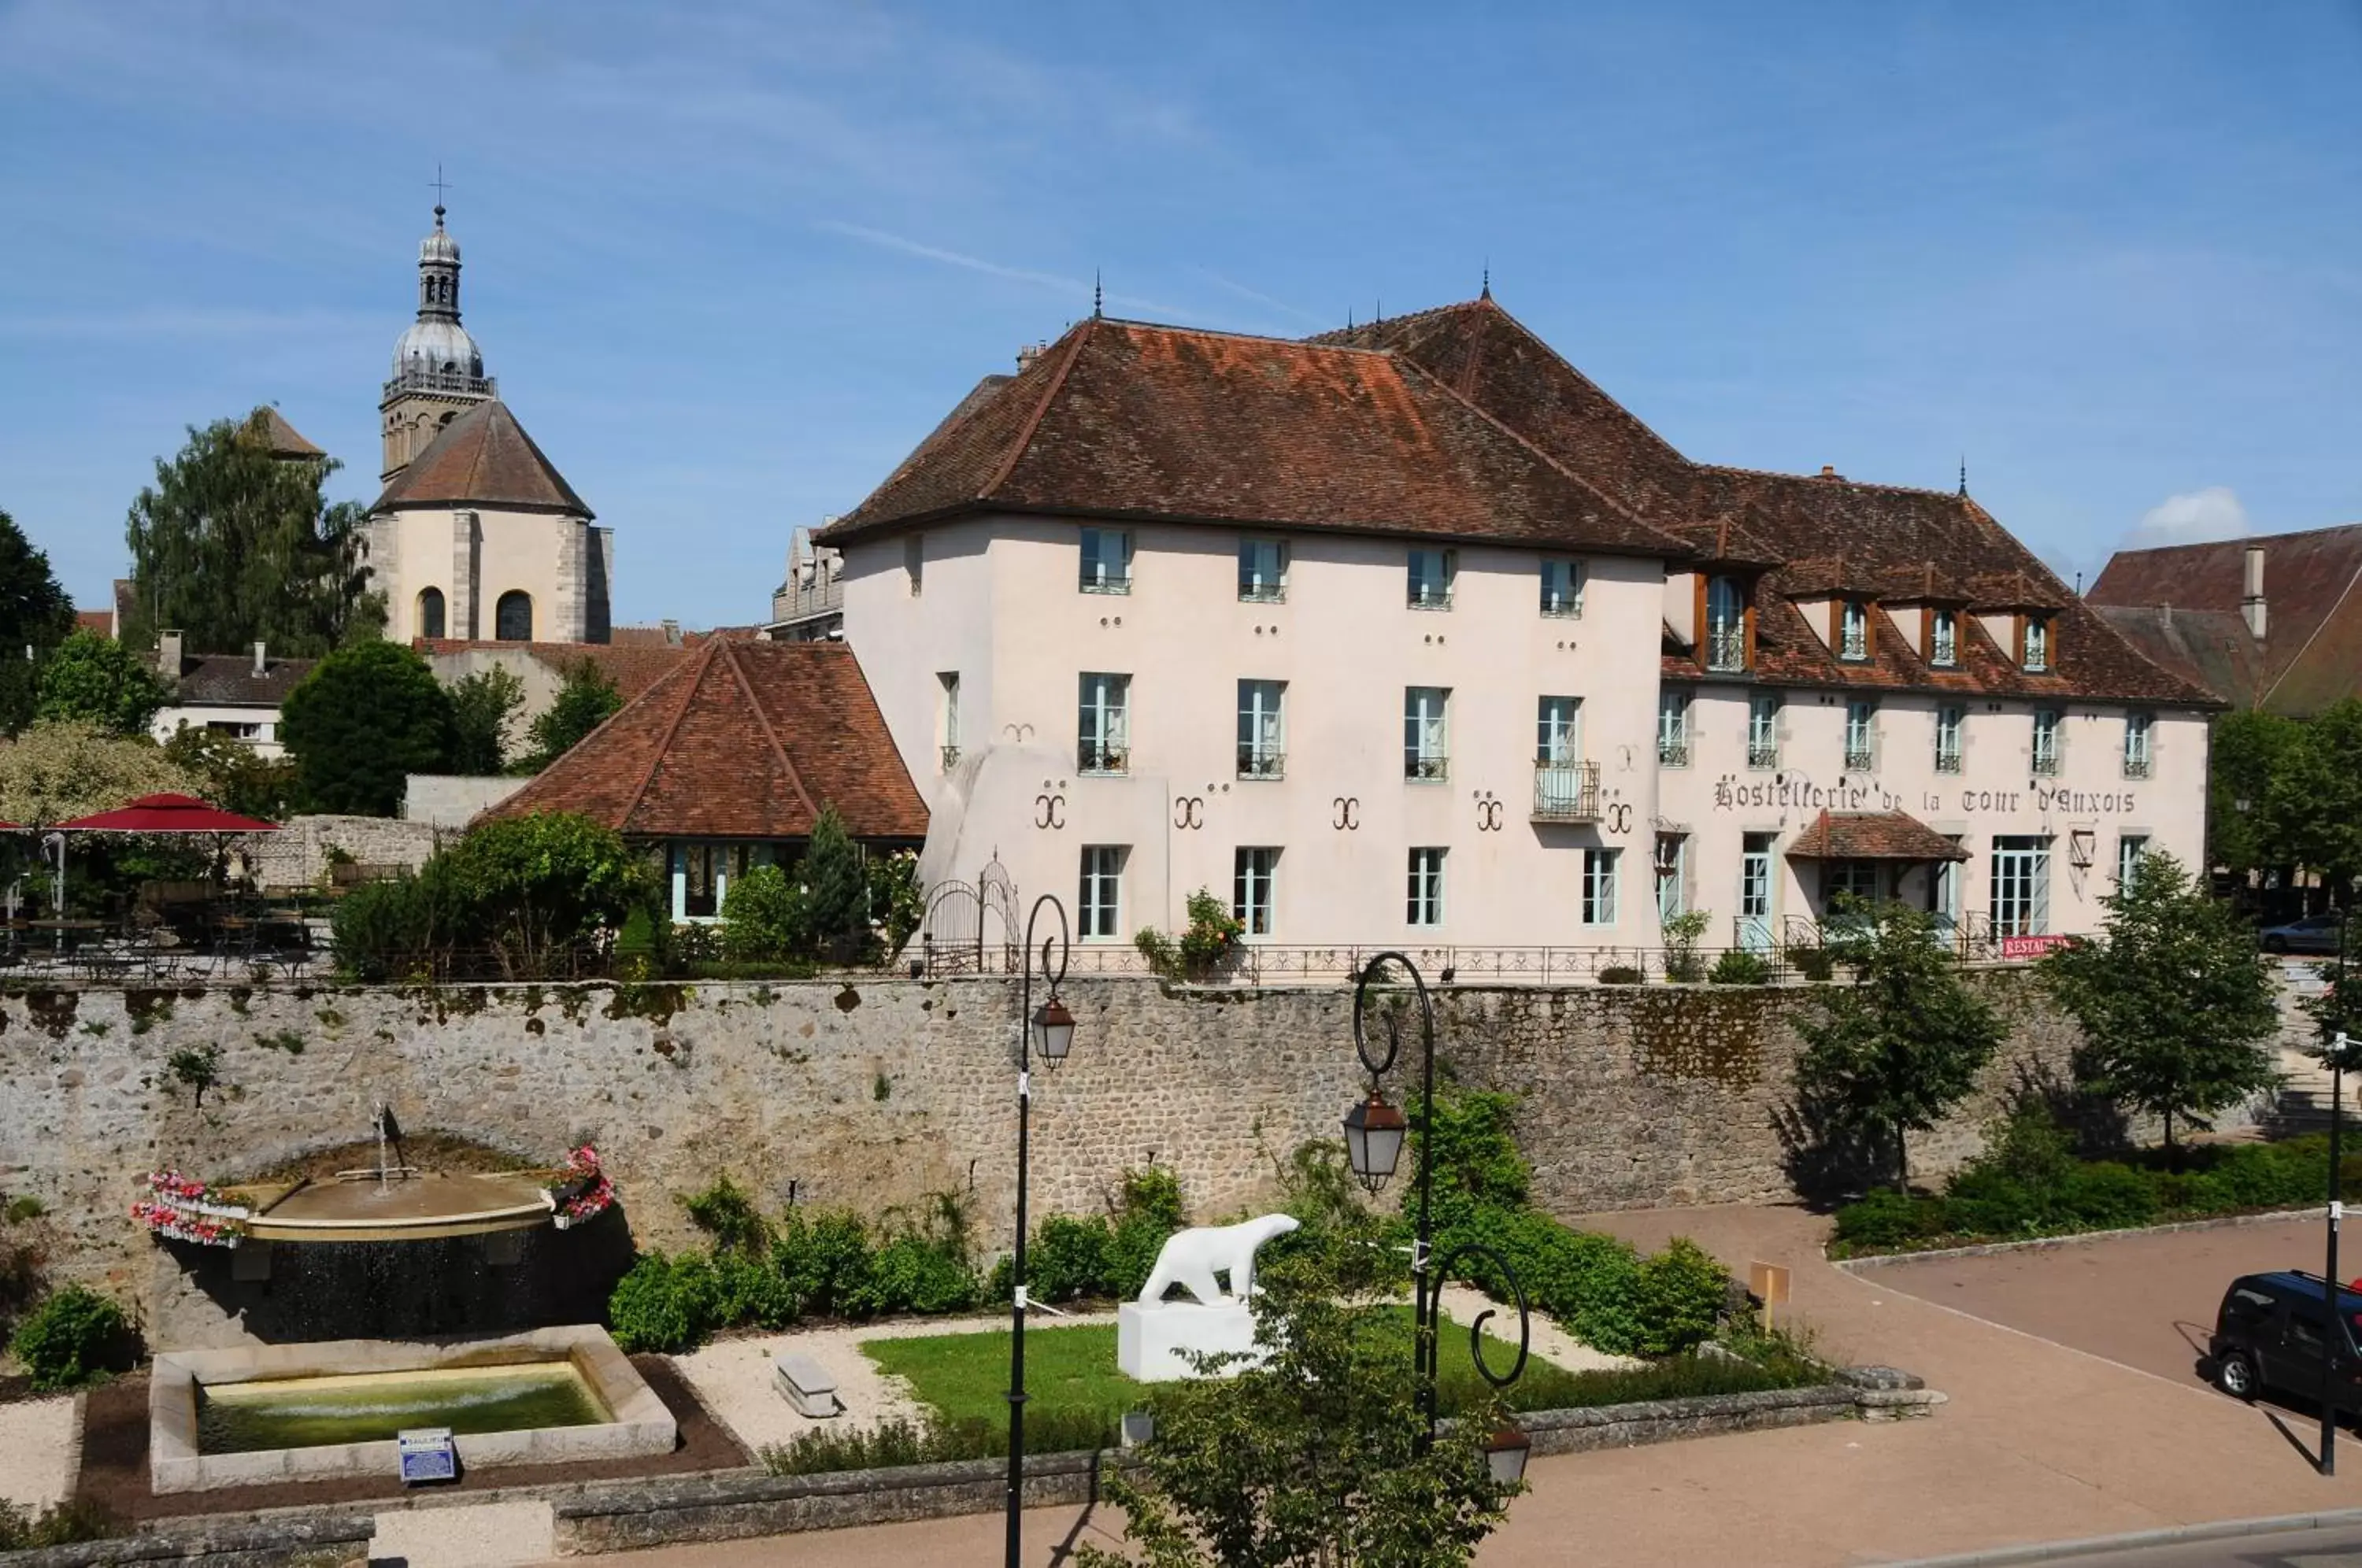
pixel 438 371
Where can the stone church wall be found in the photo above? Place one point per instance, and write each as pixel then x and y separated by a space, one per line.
pixel 878 1092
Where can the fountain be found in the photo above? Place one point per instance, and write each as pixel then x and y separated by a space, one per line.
pixel 407 1252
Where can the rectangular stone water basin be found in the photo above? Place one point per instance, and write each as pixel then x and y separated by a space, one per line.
pixel 238 1418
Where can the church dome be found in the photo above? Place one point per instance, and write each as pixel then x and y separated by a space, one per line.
pixel 439 247
pixel 437 345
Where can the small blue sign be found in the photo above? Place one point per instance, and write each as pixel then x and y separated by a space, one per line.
pixel 427 1454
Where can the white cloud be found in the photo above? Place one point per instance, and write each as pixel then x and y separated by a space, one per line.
pixel 2195 517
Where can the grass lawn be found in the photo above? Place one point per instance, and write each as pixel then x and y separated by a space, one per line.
pixel 965 1376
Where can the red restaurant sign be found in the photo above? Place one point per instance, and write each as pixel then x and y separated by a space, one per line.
pixel 2031 947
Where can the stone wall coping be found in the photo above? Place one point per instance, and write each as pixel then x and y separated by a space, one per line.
pixel 714 1488
pixel 2074 1239
pixel 196 1542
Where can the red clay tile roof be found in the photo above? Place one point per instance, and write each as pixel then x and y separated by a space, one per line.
pixel 482 459
pixel 1872 835
pixel 1119 419
pixel 742 740
pixel 632 667
pixel 99 621
pixel 2180 604
pixel 285 440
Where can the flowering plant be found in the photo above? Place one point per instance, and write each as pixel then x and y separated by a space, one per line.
pixel 178 1224
pixel 581 1190
pixel 171 1187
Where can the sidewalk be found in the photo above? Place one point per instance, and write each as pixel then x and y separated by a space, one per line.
pixel 2039 1441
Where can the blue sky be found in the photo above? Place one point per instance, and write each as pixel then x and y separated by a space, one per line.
pixel 730 263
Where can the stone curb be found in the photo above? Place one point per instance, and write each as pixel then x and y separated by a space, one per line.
pixel 233 1545
pixel 2037 1243
pixel 2176 1535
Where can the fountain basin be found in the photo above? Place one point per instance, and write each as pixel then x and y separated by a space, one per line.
pixel 551 1397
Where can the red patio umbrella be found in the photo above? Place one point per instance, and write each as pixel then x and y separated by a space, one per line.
pixel 166 813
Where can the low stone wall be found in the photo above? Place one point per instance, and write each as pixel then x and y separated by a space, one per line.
pixel 297 856
pixel 450 800
pixel 306 1540
pixel 876 1092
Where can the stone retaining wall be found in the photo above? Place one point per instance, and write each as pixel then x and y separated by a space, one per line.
pixel 306 1540
pixel 878 1092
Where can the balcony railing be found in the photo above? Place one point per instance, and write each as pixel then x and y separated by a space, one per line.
pixel 951 757
pixel 1673 752
pixel 1764 756
pixel 1262 592
pixel 1725 648
pixel 1947 759
pixel 1857 758
pixel 1429 596
pixel 2045 762
pixel 801 601
pixel 1427 769
pixel 1112 582
pixel 2136 768
pixel 1262 762
pixel 1098 757
pixel 1566 792
pixel 442 381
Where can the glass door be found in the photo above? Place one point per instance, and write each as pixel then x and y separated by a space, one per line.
pixel 1755 892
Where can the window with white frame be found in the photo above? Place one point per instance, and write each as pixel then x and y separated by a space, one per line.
pixel 1599 878
pixel 2046 742
pixel 1562 588
pixel 1262 570
pixel 2021 885
pixel 1425 905
pixel 1944 637
pixel 1726 624
pixel 1672 729
pixel 1427 734
pixel 1862 715
pixel 1763 730
pixel 2130 847
pixel 1557 732
pixel 2036 643
pixel 1262 734
pixel 702 871
pixel 949 720
pixel 1101 906
pixel 1103 723
pixel 2136 754
pixel 1432 575
pixel 1672 867
pixel 1255 883
pixel 1853 630
pixel 1106 560
pixel 1950 719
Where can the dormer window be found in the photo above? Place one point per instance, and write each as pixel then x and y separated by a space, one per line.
pixel 1853 630
pixel 2033 644
pixel 1726 614
pixel 1944 637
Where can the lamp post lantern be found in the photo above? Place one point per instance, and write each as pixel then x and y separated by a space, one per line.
pixel 1375 1135
pixel 1050 1031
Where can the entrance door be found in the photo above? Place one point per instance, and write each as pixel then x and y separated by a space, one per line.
pixel 1755 892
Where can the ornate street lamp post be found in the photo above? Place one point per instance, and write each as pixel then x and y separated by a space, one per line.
pixel 1375 1135
pixel 1050 1031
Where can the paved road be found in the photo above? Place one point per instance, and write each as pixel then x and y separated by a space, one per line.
pixel 2338 1548
pixel 2049 1436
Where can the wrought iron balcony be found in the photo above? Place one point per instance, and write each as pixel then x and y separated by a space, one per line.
pixel 1947 759
pixel 1858 758
pixel 2045 762
pixel 1262 762
pixel 1427 769
pixel 1726 648
pixel 1112 582
pixel 1764 756
pixel 951 757
pixel 2136 768
pixel 1673 752
pixel 1566 792
pixel 1098 756
pixel 1250 592
pixel 1430 596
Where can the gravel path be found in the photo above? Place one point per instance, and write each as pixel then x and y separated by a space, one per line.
pixel 733 1376
pixel 36 1450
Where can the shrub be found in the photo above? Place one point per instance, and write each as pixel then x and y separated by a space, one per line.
pixel 1736 967
pixel 749 1288
pixel 1150 1211
pixel 935 1441
pixel 1068 1258
pixel 60 1524
pixel 824 1257
pixel 1681 935
pixel 664 1304
pixel 1682 1292
pixel 915 1274
pixel 1212 932
pixel 1625 975
pixel 74 1336
pixel 765 916
pixel 1887 1219
pixel 725 1213
pixel 534 886
pixel 1818 965
pixel 836 891
pixel 640 947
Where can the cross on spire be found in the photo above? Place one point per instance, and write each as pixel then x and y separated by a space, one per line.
pixel 439 185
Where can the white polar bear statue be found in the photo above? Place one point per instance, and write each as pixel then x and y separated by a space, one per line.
pixel 1192 1258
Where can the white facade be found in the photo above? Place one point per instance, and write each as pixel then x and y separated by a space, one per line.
pixel 258 727
pixel 1419 785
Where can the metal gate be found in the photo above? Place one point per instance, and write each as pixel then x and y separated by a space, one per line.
pixel 970 928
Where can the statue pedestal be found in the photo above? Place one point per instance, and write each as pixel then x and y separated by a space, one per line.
pixel 1149 1340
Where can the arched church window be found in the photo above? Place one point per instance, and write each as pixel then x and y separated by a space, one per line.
pixel 512 618
pixel 430 613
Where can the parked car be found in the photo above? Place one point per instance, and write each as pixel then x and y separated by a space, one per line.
pixel 2313 933
pixel 2269 1333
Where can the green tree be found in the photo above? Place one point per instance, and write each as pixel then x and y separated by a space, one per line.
pixel 836 889
pixel 766 917
pixel 366 718
pixel 539 885
pixel 56 771
pixel 2313 804
pixel 1890 1053
pixel 1314 1457
pixel 586 700
pixel 482 706
pixel 95 679
pixel 2175 1002
pixel 233 545
pixel 234 776
pixel 34 613
pixel 2250 751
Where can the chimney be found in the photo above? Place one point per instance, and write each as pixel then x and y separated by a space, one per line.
pixel 2251 602
pixel 168 655
pixel 1027 355
pixel 672 633
pixel 1830 471
pixel 262 665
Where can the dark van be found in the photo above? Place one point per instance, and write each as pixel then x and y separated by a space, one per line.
pixel 2272 1330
